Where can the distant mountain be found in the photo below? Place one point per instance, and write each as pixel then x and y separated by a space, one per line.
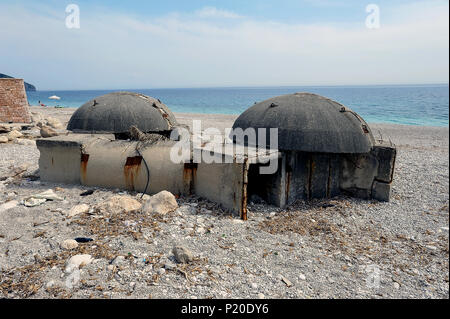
pixel 28 86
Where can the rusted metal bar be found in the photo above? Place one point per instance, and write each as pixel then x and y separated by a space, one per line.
pixel 244 190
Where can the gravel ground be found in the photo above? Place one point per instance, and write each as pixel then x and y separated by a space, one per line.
pixel 340 248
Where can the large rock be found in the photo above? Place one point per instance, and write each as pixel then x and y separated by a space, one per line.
pixel 48 132
pixel 78 209
pixel 119 204
pixel 182 254
pixel 162 203
pixel 13 135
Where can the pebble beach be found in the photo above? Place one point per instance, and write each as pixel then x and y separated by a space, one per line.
pixel 338 248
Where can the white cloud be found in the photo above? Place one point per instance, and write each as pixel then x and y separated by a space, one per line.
pixel 213 12
pixel 181 50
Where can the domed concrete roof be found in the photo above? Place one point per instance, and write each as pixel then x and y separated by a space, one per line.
pixel 117 112
pixel 310 123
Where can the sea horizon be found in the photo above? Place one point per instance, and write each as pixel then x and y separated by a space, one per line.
pixel 255 87
pixel 410 104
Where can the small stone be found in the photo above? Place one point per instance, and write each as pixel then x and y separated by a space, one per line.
pixel 32 202
pixel 48 195
pixel 77 261
pixel 118 260
pixel 302 277
pixel 396 285
pixel 54 123
pixel 111 267
pixel 254 285
pixel 69 244
pixel 47 132
pixel 78 209
pixel 205 211
pixel 286 281
pixel 161 271
pixel 4 129
pixel 169 265
pixel 162 203
pixel 182 254
pixel 13 135
pixel 4 139
pixel 261 296
pixel 50 284
pixel 200 220
pixel 200 230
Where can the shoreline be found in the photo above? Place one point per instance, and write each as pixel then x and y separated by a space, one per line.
pixel 43 109
pixel 426 137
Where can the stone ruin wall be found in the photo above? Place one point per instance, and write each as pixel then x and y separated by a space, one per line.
pixel 13 102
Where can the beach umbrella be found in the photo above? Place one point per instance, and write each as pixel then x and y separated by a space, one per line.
pixel 54 97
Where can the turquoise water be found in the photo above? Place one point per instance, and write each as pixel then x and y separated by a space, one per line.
pixel 413 105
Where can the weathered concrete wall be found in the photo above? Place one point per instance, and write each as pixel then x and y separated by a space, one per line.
pixel 60 162
pixel 119 164
pixel 311 175
pixel 305 176
pixel 224 184
pixel 99 160
pixel 358 173
pixel 81 159
pixel 386 155
pixel 13 102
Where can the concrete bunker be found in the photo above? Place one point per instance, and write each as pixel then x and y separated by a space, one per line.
pixel 123 140
pixel 326 150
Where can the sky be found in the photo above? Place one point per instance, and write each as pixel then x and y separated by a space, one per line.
pixel 228 43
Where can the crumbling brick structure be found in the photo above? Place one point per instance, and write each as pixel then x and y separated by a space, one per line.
pixel 13 102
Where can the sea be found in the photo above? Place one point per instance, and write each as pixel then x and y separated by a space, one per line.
pixel 425 105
